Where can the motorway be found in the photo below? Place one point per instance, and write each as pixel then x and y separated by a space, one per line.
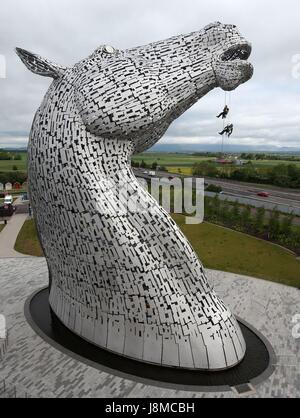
pixel 241 191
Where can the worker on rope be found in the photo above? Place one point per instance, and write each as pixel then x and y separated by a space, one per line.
pixel 227 130
pixel 224 113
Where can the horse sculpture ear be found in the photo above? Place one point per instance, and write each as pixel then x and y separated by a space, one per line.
pixel 39 65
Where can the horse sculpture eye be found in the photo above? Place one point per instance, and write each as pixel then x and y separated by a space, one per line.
pixel 109 49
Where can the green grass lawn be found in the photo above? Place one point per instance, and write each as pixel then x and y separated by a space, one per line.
pixel 230 251
pixel 1 227
pixel 27 241
pixel 7 165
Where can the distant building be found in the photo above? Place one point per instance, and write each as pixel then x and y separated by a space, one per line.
pixel 223 161
pixel 8 186
pixel 17 186
pixel 240 162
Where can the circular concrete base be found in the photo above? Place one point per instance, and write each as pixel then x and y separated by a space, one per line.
pixel 254 369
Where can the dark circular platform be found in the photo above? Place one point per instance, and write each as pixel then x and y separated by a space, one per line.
pixel 256 367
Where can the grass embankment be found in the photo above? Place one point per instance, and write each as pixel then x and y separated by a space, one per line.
pixel 218 248
pixel 225 250
pixel 27 241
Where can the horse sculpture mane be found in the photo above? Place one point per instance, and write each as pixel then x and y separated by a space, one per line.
pixel 128 281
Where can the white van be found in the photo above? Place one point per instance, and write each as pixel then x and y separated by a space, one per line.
pixel 8 200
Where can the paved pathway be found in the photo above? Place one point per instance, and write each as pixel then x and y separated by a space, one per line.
pixel 18 201
pixel 9 235
pixel 31 366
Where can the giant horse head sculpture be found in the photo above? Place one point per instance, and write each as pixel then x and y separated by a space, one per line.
pixel 128 282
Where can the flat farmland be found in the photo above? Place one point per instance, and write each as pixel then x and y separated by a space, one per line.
pixel 273 163
pixel 8 165
pixel 167 160
pixel 188 160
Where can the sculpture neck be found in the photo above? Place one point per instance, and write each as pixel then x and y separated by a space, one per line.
pixel 109 156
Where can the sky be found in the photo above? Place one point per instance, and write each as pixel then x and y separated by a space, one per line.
pixel 265 111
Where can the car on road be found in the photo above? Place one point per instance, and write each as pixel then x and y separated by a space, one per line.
pixel 8 200
pixel 214 189
pixel 263 194
pixel 6 211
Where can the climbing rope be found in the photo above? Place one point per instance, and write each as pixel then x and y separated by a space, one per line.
pixel 229 105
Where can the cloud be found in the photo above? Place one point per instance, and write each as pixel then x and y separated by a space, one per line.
pixel 265 110
pixel 13 141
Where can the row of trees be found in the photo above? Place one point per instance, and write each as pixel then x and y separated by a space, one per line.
pixel 13 177
pixel 284 175
pixel 10 156
pixel 154 166
pixel 208 154
pixel 269 157
pixel 252 156
pixel 271 226
pixel 143 164
pixel 206 169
